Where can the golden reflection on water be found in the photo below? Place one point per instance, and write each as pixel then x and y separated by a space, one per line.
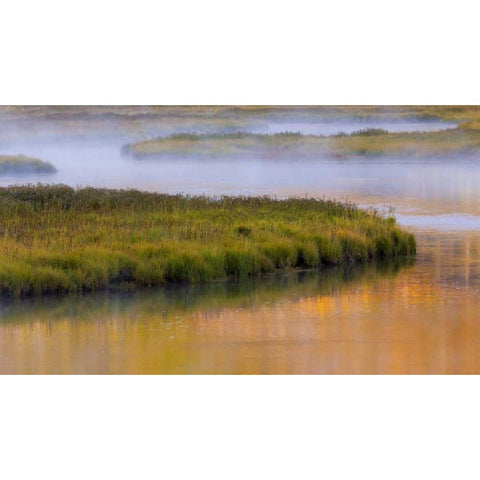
pixel 423 318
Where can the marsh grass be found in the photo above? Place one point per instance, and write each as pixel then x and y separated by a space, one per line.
pixel 369 142
pixel 59 239
pixel 23 164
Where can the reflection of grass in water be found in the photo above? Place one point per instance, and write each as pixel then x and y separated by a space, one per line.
pixel 10 164
pixel 168 301
pixel 368 142
pixel 58 239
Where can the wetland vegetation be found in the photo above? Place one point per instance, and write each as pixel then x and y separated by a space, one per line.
pixel 13 164
pixel 55 238
pixel 291 145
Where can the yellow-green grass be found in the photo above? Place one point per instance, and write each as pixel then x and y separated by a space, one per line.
pixel 457 113
pixel 22 164
pixel 368 142
pixel 58 239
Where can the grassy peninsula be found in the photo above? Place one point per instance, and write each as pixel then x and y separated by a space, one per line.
pixel 12 164
pixel 462 140
pixel 59 239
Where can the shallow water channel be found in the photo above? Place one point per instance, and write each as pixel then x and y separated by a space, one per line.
pixel 413 318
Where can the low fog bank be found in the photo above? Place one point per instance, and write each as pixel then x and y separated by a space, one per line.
pixel 84 144
pixel 140 123
pixel 435 186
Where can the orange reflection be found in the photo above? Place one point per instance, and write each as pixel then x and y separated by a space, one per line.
pixel 422 319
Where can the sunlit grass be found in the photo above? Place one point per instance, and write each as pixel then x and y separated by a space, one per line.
pixel 58 239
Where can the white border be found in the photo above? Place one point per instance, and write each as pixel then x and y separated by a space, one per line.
pixel 249 52
pixel 216 427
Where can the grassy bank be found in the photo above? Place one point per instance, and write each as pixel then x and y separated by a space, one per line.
pixel 57 239
pixel 12 164
pixel 370 142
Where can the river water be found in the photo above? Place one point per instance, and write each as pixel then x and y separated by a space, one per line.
pixel 410 318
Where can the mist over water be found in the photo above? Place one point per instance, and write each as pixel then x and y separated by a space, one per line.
pixel 411 319
pixel 415 188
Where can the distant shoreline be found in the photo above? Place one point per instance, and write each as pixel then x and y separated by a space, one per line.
pixel 290 145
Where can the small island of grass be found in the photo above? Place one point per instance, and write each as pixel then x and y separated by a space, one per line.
pixel 13 164
pixel 463 140
pixel 59 239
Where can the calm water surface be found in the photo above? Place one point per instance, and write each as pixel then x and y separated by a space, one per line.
pixel 420 318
